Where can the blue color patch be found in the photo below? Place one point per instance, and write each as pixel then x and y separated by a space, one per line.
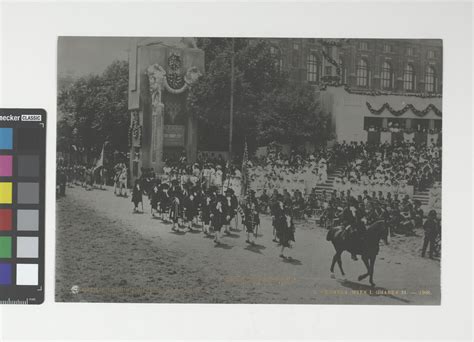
pixel 5 274
pixel 6 138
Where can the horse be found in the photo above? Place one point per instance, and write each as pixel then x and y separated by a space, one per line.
pixel 367 247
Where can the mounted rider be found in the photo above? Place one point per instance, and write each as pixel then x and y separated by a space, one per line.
pixel 352 218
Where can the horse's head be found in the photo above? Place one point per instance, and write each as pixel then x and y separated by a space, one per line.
pixel 380 230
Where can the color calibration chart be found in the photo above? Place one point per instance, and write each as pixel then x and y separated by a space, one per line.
pixel 22 199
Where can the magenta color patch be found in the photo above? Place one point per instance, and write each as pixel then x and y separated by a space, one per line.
pixel 6 166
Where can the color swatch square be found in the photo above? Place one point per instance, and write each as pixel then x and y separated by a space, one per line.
pixel 28 166
pixel 6 138
pixel 5 192
pixel 27 274
pixel 6 163
pixel 5 247
pixel 28 193
pixel 28 138
pixel 5 274
pixel 27 246
pixel 27 220
pixel 5 219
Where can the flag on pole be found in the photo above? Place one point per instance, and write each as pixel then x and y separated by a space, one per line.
pixel 100 162
pixel 245 172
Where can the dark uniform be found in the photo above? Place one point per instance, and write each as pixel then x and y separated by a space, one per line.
pixel 431 228
pixel 286 228
pixel 164 198
pixel 190 206
pixel 251 218
pixel 219 213
pixel 206 203
pixel 155 198
pixel 176 203
pixel 137 195
pixel 231 205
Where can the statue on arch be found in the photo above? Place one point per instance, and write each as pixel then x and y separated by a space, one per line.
pixel 157 78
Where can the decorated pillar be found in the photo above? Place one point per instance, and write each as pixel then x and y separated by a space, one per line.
pixel 135 142
pixel 156 77
pixel 171 125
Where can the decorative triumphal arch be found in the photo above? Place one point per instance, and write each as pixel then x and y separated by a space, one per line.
pixel 161 72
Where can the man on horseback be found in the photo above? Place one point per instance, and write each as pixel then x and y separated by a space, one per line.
pixel 353 220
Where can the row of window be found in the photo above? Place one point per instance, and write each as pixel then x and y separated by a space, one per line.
pixel 387 77
pixel 362 72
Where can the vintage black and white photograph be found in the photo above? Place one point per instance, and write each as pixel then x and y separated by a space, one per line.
pixel 249 170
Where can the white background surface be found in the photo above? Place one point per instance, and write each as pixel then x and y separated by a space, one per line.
pixel 28 59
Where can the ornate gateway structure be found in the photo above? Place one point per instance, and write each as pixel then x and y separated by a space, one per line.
pixel 160 72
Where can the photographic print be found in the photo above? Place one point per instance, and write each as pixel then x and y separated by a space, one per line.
pixel 249 170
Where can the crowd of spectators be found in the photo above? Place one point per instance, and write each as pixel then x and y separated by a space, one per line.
pixel 387 167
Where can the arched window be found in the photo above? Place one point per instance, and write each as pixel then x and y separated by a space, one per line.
pixel 430 79
pixel 408 78
pixel 312 68
pixel 362 73
pixel 386 76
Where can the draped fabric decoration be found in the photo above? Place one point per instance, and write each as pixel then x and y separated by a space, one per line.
pixel 397 137
pixel 385 137
pixel 432 139
pixel 173 80
pixel 135 131
pixel 333 62
pixel 373 137
pixel 420 138
pixel 419 113
pixel 175 90
pixel 386 92
pixel 409 137
pixel 376 92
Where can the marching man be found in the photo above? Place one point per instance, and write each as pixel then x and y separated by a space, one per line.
pixel 218 217
pixel 285 228
pixel 190 208
pixel 251 219
pixel 231 205
pixel 206 208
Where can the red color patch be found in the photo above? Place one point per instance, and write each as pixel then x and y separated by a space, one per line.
pixel 5 219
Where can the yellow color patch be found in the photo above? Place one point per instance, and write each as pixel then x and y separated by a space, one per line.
pixel 5 192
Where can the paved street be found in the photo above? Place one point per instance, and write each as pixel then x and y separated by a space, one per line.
pixel 106 253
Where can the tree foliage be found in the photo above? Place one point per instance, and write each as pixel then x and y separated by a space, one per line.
pixel 255 73
pixel 291 115
pixel 94 109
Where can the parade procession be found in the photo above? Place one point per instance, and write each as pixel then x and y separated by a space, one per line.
pixel 257 159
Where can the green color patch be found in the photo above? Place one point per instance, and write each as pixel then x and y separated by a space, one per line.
pixel 5 247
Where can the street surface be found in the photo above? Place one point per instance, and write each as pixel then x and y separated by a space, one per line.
pixel 105 253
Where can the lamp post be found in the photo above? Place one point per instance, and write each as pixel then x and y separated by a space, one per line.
pixel 231 123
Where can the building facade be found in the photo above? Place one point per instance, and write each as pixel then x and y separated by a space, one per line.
pixel 369 86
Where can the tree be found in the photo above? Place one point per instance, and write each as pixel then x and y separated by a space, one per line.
pixel 256 73
pixel 292 115
pixel 94 109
